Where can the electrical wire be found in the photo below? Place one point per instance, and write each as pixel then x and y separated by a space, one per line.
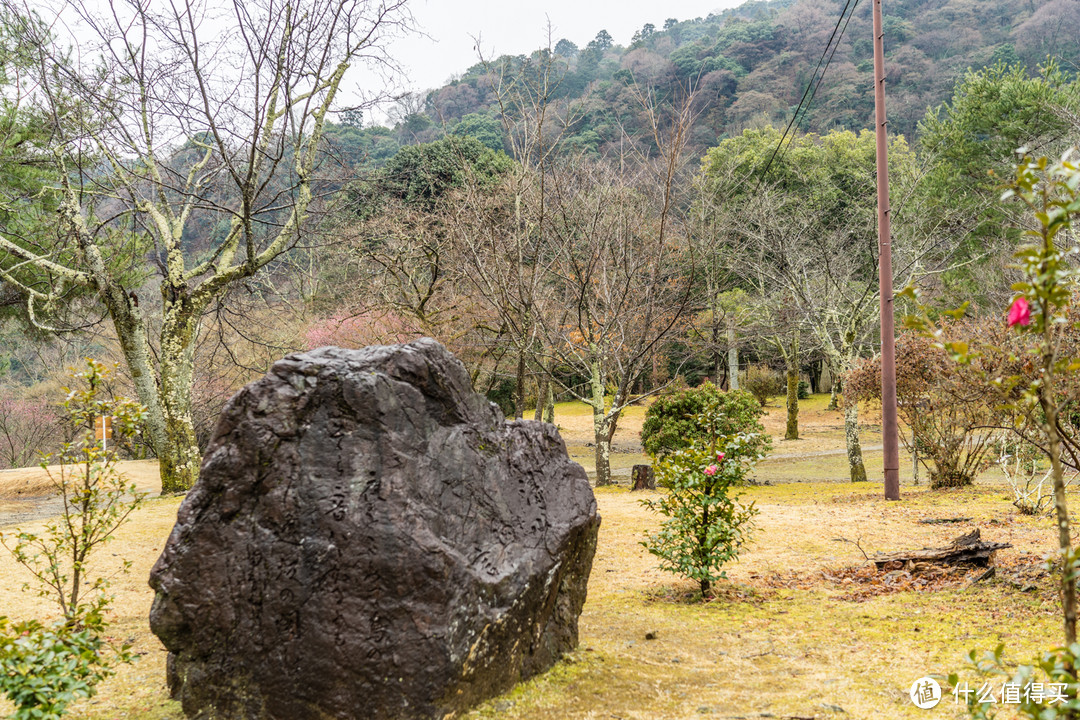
pixel 804 103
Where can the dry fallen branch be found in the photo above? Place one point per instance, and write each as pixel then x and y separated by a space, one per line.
pixel 967 548
pixel 856 542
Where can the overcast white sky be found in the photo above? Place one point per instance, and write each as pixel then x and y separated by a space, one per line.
pixel 512 28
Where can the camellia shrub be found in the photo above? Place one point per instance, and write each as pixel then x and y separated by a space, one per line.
pixel 705 525
pixel 1042 327
pixel 672 421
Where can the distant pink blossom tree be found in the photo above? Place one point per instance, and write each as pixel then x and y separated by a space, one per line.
pixel 358 329
pixel 28 427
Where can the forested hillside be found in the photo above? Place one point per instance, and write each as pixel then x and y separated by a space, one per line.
pixel 751 65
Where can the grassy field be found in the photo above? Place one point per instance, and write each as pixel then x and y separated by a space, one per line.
pixel 802 628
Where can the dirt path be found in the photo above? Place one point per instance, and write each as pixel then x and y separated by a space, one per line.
pixel 27 495
pixel 818 453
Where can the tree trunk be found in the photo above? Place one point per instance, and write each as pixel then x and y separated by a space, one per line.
pixel 1067 588
pixel 793 391
pixel 851 436
pixel 732 356
pixel 179 456
pixel 718 357
pixel 166 393
pixel 541 396
pixel 642 477
pixel 601 427
pixel 834 394
pixel 603 449
pixel 519 388
pixel 549 403
pixel 815 376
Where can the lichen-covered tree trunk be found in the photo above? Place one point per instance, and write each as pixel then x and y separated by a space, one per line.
pixel 602 426
pixel 602 437
pixel 542 386
pixel 179 456
pixel 733 356
pixel 792 405
pixel 793 390
pixel 851 438
pixel 166 390
pixel 834 393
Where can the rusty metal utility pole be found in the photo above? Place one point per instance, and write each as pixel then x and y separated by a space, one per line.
pixel 888 333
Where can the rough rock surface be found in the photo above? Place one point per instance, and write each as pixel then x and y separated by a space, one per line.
pixel 370 539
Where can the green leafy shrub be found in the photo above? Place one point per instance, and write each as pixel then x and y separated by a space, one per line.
pixel 804 390
pixel 763 383
pixel 706 525
pixel 671 422
pixel 44 668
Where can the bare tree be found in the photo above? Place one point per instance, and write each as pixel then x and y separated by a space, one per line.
pixel 29 427
pixel 608 271
pixel 583 259
pixel 186 139
pixel 808 240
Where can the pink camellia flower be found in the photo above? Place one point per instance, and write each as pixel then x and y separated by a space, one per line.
pixel 719 456
pixel 711 470
pixel 1020 312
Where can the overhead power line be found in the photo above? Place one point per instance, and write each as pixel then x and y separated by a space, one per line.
pixel 815 82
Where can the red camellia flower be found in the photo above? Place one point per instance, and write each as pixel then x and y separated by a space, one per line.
pixel 1020 312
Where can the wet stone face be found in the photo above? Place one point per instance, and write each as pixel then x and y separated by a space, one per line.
pixel 370 539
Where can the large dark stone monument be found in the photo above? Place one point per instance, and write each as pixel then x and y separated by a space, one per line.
pixel 369 539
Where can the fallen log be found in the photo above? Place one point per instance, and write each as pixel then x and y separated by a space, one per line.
pixel 967 549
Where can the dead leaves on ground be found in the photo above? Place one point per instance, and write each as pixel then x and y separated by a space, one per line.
pixel 1022 571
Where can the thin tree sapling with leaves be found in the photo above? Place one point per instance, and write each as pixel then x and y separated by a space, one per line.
pixel 46 667
pixel 1039 314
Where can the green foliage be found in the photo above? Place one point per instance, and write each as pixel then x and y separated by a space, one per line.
pixel 770 47
pixel 484 128
pixel 762 382
pixel 897 29
pixel 45 668
pixel 420 175
pixel 994 111
pixel 706 525
pixel 1042 312
pixel 357 147
pixel 693 61
pixel 1055 667
pixel 671 422
pixel 566 49
pixel 833 175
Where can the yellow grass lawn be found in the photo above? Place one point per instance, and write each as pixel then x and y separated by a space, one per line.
pixel 795 631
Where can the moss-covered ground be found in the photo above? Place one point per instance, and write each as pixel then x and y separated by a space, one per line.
pixel 802 627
